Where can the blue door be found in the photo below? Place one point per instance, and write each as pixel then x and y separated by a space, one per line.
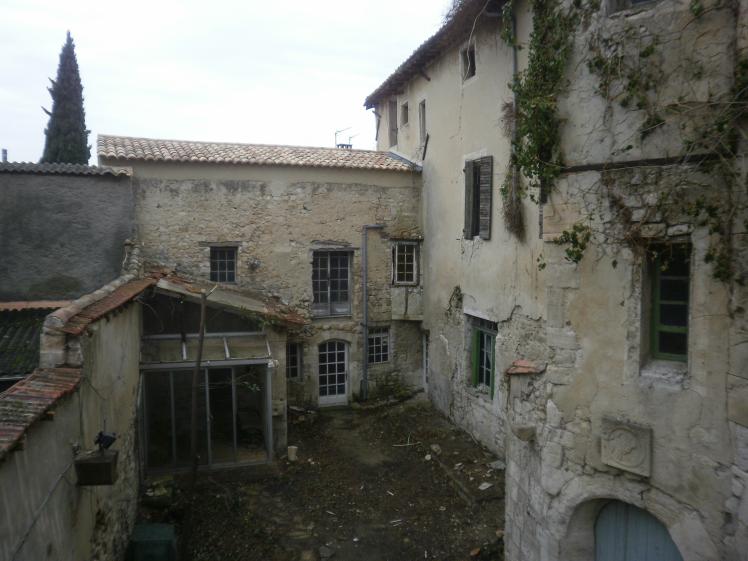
pixel 626 533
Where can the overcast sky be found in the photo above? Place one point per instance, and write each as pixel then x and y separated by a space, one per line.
pixel 276 72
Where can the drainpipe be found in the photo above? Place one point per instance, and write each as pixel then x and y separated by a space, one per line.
pixel 365 305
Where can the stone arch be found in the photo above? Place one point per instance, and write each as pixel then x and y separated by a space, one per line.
pixel 572 515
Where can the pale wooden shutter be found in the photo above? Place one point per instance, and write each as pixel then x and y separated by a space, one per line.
pixel 469 190
pixel 485 195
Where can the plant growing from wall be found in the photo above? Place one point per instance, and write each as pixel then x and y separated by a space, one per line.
pixel 67 136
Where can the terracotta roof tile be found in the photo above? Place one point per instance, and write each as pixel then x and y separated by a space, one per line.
pixel 62 169
pixel 121 295
pixel 151 149
pixel 25 403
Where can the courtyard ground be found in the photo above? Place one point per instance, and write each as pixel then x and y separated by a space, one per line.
pixel 392 483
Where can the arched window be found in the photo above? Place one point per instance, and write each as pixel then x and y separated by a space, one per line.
pixel 333 373
pixel 624 532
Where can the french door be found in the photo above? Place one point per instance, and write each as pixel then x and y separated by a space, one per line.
pixel 333 373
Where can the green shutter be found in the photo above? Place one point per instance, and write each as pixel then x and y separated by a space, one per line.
pixel 493 363
pixel 475 363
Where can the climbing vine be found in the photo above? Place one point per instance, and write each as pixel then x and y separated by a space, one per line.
pixel 655 75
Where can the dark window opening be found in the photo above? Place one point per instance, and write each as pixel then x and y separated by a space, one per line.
pixel 482 359
pixel 293 360
pixel 392 117
pixel 468 62
pixel 404 113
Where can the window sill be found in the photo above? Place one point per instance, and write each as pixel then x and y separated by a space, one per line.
pixel 668 371
pixel 331 316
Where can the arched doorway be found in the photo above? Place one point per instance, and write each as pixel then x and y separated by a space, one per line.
pixel 624 532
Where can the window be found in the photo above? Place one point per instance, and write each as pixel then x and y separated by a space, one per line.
pixel 223 264
pixel 483 341
pixel 467 56
pixel 392 117
pixel 478 197
pixel 293 360
pixel 404 114
pixel 333 371
pixel 405 263
pixel 379 344
pixel 670 268
pixel 422 120
pixel 330 283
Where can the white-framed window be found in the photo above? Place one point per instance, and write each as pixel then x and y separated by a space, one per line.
pixel 223 264
pixel 333 368
pixel 405 263
pixel 293 360
pixel 379 344
pixel 331 283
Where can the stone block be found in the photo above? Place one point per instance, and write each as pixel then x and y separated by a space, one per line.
pixel 653 230
pixel 741 447
pixel 626 446
pixel 553 454
pixel 563 275
pixel 679 230
pixel 737 400
pixel 552 414
pixel 562 338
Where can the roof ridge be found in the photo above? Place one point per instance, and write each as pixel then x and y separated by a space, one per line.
pixel 225 143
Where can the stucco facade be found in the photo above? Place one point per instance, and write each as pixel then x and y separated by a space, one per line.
pixel 587 325
pixel 277 218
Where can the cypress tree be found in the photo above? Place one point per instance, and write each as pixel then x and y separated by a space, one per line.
pixel 67 136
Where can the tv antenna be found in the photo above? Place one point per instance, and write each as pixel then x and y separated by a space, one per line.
pixel 336 138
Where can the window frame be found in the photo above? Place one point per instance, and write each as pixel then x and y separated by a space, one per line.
pixel 485 331
pixel 404 114
pixel 381 356
pixel 327 309
pixel 215 274
pixel 416 269
pixel 298 368
pixel 656 327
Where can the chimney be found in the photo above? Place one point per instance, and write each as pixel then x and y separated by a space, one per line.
pixel 5 155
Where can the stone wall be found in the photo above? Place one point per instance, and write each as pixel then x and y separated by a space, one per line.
pixel 278 217
pixel 62 236
pixel 45 515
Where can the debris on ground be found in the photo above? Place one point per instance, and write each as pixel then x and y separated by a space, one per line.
pixel 353 494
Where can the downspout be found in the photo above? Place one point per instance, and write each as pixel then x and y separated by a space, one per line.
pixel 365 305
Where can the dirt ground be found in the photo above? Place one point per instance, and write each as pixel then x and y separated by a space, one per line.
pixel 368 485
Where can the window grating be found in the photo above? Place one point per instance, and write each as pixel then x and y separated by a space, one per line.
pixel 405 264
pixel 293 360
pixel 331 283
pixel 332 368
pixel 223 264
pixel 671 282
pixel 379 344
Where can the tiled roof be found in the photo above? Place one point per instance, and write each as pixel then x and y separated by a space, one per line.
pixel 454 30
pixel 118 297
pixel 151 149
pixel 32 305
pixel 62 169
pixel 25 403
pixel 19 342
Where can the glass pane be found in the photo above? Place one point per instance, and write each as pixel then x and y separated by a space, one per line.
pixel 221 415
pixel 674 289
pixel 182 417
pixel 250 416
pixel 674 314
pixel 673 343
pixel 158 419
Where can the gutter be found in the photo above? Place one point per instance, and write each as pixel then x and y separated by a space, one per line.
pixel 365 303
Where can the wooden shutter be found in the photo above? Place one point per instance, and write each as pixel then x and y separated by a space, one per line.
pixel 485 194
pixel 469 191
